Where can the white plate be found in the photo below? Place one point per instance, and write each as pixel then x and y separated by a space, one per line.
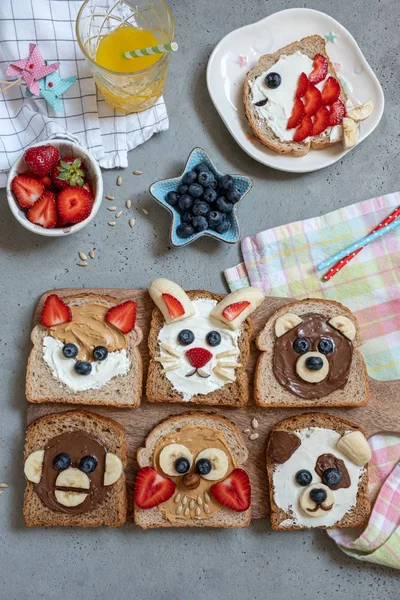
pixel 225 78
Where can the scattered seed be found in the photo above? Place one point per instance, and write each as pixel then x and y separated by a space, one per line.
pixel 137 172
pixel 111 223
pixel 132 222
pixel 1 492
pixel 119 180
pixel 82 255
pixel 112 208
pixel 207 497
pixel 177 498
pixel 184 500
pixel 254 423
pixel 199 500
pixel 3 485
pixel 253 436
pixel 91 254
pixel 186 511
pixel 118 214
pixel 179 510
pixel 191 504
pixel 198 511
pixel 246 430
pixel 82 263
pixel 110 197
pixel 145 211
pixel 206 509
pixel 128 203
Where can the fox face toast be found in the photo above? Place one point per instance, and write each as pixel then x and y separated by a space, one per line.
pixel 189 474
pixel 317 473
pixel 199 345
pixel 85 352
pixel 309 357
pixel 74 468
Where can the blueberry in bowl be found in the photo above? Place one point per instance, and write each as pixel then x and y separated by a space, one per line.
pixel 202 201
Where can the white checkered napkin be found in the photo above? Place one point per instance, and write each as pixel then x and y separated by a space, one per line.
pixel 87 118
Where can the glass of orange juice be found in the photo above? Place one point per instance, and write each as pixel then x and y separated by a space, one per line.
pixel 104 34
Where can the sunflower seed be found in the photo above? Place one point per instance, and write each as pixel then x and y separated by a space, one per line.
pixel 91 254
pixel 118 214
pixel 177 498
pixel 119 180
pixel 206 509
pixel 179 510
pixel 253 436
pixel 246 430
pixel 184 500
pixel 112 208
pixel 145 211
pixel 199 500
pixel 207 497
pixel 132 222
pixel 82 263
pixel 110 197
pixel 3 485
pixel 128 203
pixel 82 255
pixel 137 172
pixel 254 423
pixel 186 511
pixel 112 223
pixel 191 504
pixel 198 511
pixel 1 492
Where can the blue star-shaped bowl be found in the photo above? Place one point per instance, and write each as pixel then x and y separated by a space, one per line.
pixel 160 189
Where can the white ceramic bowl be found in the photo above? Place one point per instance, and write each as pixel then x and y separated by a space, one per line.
pixel 94 177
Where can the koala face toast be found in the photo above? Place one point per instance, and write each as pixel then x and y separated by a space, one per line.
pixel 72 473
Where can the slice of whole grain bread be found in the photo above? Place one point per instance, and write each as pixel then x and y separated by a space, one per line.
pixel 112 510
pixel 123 391
pixel 310 46
pixel 159 388
pixel 225 518
pixel 358 515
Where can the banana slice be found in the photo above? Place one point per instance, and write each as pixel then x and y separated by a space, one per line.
pixel 355 447
pixel 226 375
pixel 362 112
pixel 286 323
pixel 34 465
pixel 345 326
pixel 310 507
pixel 113 470
pixel 252 295
pixel 73 478
pixel 351 133
pixel 312 376
pixel 168 456
pixel 161 286
pixel 219 463
pixel 70 499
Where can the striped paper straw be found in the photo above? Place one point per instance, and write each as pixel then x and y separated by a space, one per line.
pixel 161 49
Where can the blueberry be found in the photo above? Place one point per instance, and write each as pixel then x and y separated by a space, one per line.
pixel 214 185
pixel 189 177
pixel 325 346
pixel 205 178
pixel 183 189
pixel 201 167
pixel 100 353
pixel 172 198
pixel 196 190
pixel 233 195
pixel 200 208
pixel 226 182
pixel 273 80
pixel 187 217
pixel 200 223
pixel 314 363
pixel 185 337
pixel 213 338
pixel 203 466
pixel 301 345
pixel 209 195
pixel 182 465
pixel 223 205
pixel 303 477
pixel 185 202
pixel 318 495
pixel 223 226
pixel 61 461
pixel 215 218
pixel 70 350
pixel 82 367
pixel 88 464
pixel 184 230
pixel 332 477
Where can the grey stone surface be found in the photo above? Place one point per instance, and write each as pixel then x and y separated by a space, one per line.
pixel 127 563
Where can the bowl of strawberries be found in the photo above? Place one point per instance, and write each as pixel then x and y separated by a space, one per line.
pixel 55 188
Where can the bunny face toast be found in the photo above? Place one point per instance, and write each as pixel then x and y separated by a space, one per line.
pixel 85 352
pixel 310 357
pixel 190 474
pixel 199 345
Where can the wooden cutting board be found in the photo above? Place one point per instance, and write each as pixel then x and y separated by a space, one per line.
pixel 382 413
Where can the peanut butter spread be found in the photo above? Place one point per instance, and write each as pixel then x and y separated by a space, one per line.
pixel 198 503
pixel 88 329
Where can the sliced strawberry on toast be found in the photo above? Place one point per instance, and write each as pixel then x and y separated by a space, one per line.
pixel 297 114
pixel 320 69
pixel 152 488
pixel 337 113
pixel 302 86
pixel 27 190
pixel 44 211
pixel 123 316
pixel 55 311
pixel 198 357
pixel 233 310
pixel 305 129
pixel 233 492
pixel 74 204
pixel 175 308
pixel 321 120
pixel 331 91
pixel 312 100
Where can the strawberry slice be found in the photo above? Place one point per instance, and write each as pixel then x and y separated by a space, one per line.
pixel 321 120
pixel 175 308
pixel 305 129
pixel 297 114
pixel 74 204
pixel 320 69
pixel 198 357
pixel 337 113
pixel 234 492
pixel 123 316
pixel 44 211
pixel 55 311
pixel 312 100
pixel 330 91
pixel 151 488
pixel 233 310
pixel 302 86
pixel 45 179
pixel 27 190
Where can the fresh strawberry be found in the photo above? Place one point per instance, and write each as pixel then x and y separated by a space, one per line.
pixel 55 311
pixel 312 100
pixel 330 91
pixel 74 204
pixel 68 172
pixel 123 316
pixel 44 211
pixel 41 159
pixel 233 310
pixel 337 113
pixel 234 492
pixel 175 308
pixel 305 129
pixel 45 180
pixel 297 114
pixel 27 190
pixel 302 86
pixel 152 488
pixel 198 357
pixel 321 120
pixel 320 69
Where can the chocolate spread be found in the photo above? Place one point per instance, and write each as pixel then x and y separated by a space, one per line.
pixel 314 328
pixel 329 461
pixel 281 446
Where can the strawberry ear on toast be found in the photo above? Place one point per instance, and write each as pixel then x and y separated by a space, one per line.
pixel 55 311
pixel 123 316
pixel 237 306
pixel 171 299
